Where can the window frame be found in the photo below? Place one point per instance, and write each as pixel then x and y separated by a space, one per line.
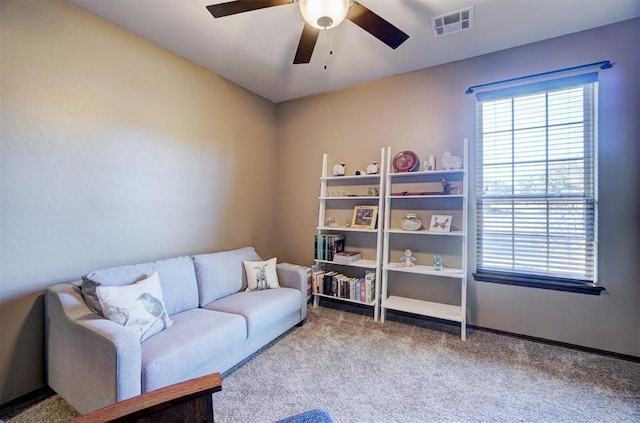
pixel 531 279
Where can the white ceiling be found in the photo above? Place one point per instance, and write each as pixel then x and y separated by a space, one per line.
pixel 255 49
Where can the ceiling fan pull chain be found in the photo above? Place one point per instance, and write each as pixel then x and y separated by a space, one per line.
pixel 324 55
pixel 328 45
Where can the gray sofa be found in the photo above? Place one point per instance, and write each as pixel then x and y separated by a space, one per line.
pixel 93 362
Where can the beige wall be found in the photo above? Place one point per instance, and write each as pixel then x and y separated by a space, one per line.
pixel 113 152
pixel 428 111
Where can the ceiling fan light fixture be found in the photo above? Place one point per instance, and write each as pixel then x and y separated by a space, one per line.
pixel 324 14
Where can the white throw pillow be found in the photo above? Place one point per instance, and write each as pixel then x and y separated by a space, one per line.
pixel 261 274
pixel 138 306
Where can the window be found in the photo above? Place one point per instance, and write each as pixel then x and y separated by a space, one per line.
pixel 536 184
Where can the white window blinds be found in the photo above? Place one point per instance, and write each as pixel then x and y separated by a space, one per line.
pixel 536 179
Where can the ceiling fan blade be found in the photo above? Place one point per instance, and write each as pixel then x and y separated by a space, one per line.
pixel 240 6
pixel 306 45
pixel 376 26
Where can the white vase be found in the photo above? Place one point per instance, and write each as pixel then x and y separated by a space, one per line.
pixel 431 163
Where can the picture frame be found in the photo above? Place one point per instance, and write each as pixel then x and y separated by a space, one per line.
pixel 440 223
pixel 364 217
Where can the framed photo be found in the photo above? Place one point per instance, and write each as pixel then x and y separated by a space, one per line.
pixel 440 223
pixel 364 217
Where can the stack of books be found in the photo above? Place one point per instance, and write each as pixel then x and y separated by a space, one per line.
pixel 347 257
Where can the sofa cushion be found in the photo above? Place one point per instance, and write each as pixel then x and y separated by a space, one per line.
pixel 177 278
pixel 138 307
pixel 261 274
pixel 261 309
pixel 221 274
pixel 196 338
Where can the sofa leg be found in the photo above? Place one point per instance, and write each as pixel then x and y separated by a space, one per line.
pixel 301 323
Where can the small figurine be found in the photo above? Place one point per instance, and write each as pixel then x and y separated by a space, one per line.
pixel 448 188
pixel 339 169
pixel 408 260
pixel 372 169
pixel 437 263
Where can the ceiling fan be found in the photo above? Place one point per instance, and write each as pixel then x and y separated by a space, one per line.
pixel 319 15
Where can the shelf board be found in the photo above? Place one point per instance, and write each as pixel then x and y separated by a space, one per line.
pixel 345 228
pixel 350 177
pixel 424 232
pixel 424 308
pixel 427 172
pixel 440 196
pixel 350 197
pixel 447 272
pixel 367 264
pixel 371 304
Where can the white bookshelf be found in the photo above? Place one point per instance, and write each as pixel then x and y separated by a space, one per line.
pixel 400 194
pixel 342 204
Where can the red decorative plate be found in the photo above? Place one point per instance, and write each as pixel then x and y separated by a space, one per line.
pixel 405 161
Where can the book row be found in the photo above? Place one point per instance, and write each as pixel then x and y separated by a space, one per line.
pixel 336 284
pixel 326 245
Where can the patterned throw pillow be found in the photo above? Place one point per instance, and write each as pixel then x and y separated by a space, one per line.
pixel 261 274
pixel 138 307
pixel 88 289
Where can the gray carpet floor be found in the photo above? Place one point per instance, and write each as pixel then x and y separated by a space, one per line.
pixel 410 370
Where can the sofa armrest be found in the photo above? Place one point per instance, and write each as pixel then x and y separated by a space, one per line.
pixel 294 276
pixel 91 361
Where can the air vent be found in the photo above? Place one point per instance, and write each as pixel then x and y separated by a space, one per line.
pixel 453 22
